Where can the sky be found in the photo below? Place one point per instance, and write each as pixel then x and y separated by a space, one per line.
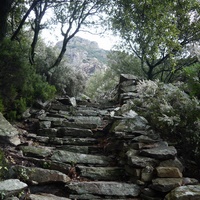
pixel 54 35
pixel 105 42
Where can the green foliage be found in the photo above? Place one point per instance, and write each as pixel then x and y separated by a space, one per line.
pixel 172 112
pixel 100 84
pixel 157 31
pixel 20 85
pixel 124 63
pixel 193 79
pixel 67 80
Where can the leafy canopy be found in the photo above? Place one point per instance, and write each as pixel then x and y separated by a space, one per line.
pixel 157 31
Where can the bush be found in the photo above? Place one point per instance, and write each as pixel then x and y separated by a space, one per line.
pixel 172 112
pixel 20 85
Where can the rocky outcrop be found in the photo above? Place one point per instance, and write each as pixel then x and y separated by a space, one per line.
pixel 8 134
pixel 93 151
pixel 85 55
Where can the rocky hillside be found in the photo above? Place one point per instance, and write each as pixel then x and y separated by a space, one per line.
pixel 85 55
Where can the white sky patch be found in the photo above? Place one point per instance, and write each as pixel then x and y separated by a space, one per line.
pixel 105 40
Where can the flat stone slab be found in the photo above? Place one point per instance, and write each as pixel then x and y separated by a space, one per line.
pixel 65 123
pixel 36 151
pixel 65 132
pixel 12 187
pixel 8 133
pixel 102 173
pixel 46 197
pixel 78 158
pixel 105 188
pixel 172 163
pixel 38 175
pixel 160 152
pixel 191 192
pixel 166 184
pixel 129 125
pixel 168 172
pixel 141 162
pixel 73 141
pixel 74 132
pixel 73 148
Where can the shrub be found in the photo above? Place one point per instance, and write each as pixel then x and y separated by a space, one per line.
pixel 172 112
pixel 20 85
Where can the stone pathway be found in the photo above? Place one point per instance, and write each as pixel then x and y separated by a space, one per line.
pixel 90 151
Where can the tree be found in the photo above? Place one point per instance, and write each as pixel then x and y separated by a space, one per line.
pixel 158 32
pixel 5 7
pixel 72 15
pixel 20 85
pixel 124 63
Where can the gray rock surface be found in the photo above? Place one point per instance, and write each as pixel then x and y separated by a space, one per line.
pixel 46 197
pixel 12 187
pixel 102 173
pixel 166 184
pixel 38 175
pixel 78 158
pixel 190 192
pixel 8 134
pixel 161 152
pixel 105 188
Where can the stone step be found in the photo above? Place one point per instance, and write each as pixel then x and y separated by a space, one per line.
pixel 46 197
pixel 78 158
pixel 94 150
pixel 33 175
pixel 99 189
pixel 73 141
pixel 66 123
pixel 56 141
pixel 102 173
pixel 36 151
pixel 65 131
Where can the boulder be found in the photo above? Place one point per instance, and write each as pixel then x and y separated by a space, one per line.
pixel 67 101
pixel 161 152
pixel 130 125
pixel 11 187
pixel 168 172
pixel 172 163
pixel 191 192
pixel 8 134
pixel 141 162
pixel 166 184
pixel 128 77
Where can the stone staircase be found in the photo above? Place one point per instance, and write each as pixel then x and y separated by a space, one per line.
pixel 82 150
